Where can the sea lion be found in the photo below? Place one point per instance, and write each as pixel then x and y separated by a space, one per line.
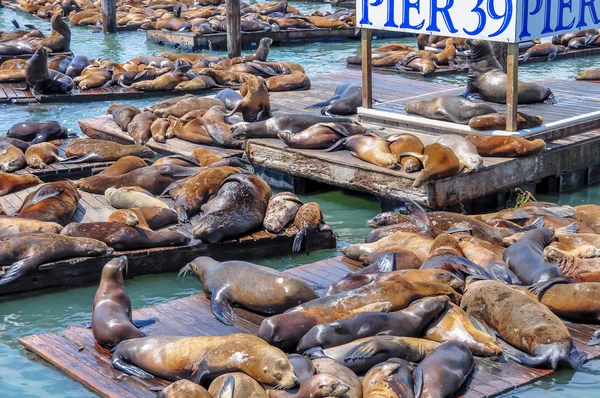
pixel 38 156
pixel 506 147
pixel 463 149
pixel 181 160
pixel 12 75
pixel 542 50
pixel 392 378
pixel 184 388
pixel 423 63
pixel 589 215
pixel 128 197
pixel 77 65
pixel 490 261
pixel 443 372
pixel 13 226
pixel 345 101
pixel 60 38
pixel 158 130
pixel 570 264
pixel 401 143
pixel 22 145
pixel 325 365
pixel 238 208
pixel 226 283
pixel 303 366
pixel 285 330
pixel 388 261
pixel 497 121
pixel 320 135
pixel 487 80
pixel 449 108
pixel 192 131
pixel 414 242
pixel 438 160
pixel 52 202
pixel 293 81
pixel 153 179
pixel 12 183
pixel 11 158
pixel 203 358
pixel 35 132
pixel 25 252
pixel 185 105
pixel 229 98
pixel 410 322
pixel 111 311
pixel 165 82
pixel 388 218
pixel 289 123
pixel 368 147
pixel 255 106
pixel 308 220
pixel 281 210
pixel 205 156
pixel 40 80
pixel 240 385
pixel 543 340
pixel 123 165
pixel 123 114
pixel 91 150
pixel 319 386
pixel 592 74
pixel 144 217
pixel 454 324
pixel 139 127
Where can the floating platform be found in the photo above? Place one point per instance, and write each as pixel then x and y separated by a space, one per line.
pixel 250 40
pixel 105 128
pixel 94 208
pixel 73 352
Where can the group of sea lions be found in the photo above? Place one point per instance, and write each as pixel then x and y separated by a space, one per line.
pixel 22 41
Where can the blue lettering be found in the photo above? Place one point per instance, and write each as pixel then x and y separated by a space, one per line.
pixel 590 5
pixel 562 6
pixel 481 15
pixel 406 15
pixel 526 14
pixel 365 11
pixel 435 9
pixel 547 28
pixel 507 16
pixel 390 18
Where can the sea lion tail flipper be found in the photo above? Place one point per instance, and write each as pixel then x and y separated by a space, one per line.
pixel 551 99
pixel 537 223
pixel 165 193
pixel 323 104
pixel 568 229
pixel 222 309
pixel 387 262
pixel 297 246
pixel 562 211
pixel 577 358
pixel 16 24
pixel 483 327
pixel 595 340
pixel 540 287
pixel 525 57
pixel 418 382
pixel 130 369
pixel 368 350
pixel 43 194
pixel 419 215
pixel 143 323
pixel 227 390
pixel 552 55
pixel 459 228
pixel 519 356
pixel 338 146
pixel 201 372
pixel 419 156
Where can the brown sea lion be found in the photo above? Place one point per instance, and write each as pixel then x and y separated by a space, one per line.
pixel 203 358
pixel 490 261
pixel 91 150
pixel 181 160
pixel 308 220
pixel 139 127
pixel 320 135
pixel 410 322
pixel 256 105
pixel 589 215
pixel 392 378
pixel 185 105
pixel 289 123
pixel 52 202
pixel 192 131
pixel 111 311
pixel 443 372
pixel 12 182
pixel 293 81
pixel 393 260
pixel 325 365
pixel 281 291
pixel 463 149
pixel 38 156
pixel 205 157
pixel 388 218
pixel 25 252
pixel 60 38
pixel 416 243
pixel 401 143
pixel 543 340
pixel 13 226
pixel 447 56
pixel 144 217
pixel 425 64
pixel 439 161
pixel 129 197
pixel 11 158
pixel 158 130
pixel 497 121
pixel 123 114
pixel 165 82
pixel 368 147
pixel 281 210
pixel 454 324
pixel 124 237
pixel 318 386
pixel 285 330
pixel 184 388
pixel 238 208
pixel 542 50
pixel 450 108
pixel 236 385
pixel 570 264
pixel 592 74
pixel 13 75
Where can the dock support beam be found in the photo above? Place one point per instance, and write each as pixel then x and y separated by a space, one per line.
pixel 366 41
pixel 512 86
pixel 234 33
pixel 109 16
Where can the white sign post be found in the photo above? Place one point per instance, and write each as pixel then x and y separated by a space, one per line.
pixel 509 21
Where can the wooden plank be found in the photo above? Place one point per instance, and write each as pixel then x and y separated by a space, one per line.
pixel 512 86
pixel 367 67
pixel 234 33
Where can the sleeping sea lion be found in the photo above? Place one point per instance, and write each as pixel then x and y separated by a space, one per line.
pixel 129 197
pixel 11 158
pixel 38 156
pixel 13 226
pixel 144 217
pixel 236 385
pixel 401 143
pixel 281 210
pixel 289 123
pixel 463 149
pixel 35 132
pixel 308 219
pixel 507 147
pixel 438 160
pixel 368 147
pixel 345 101
pixel 184 388
pixel 321 385
pixel 449 108
pixel 389 379
pixel 52 202
pixel 12 182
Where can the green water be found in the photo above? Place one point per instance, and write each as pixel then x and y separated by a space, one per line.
pixel 23 375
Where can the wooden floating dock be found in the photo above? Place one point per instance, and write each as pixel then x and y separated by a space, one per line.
pixel 73 352
pixel 94 208
pixel 250 40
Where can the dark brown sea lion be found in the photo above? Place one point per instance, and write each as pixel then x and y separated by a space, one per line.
pixel 153 179
pixel 401 143
pixel 392 378
pixel 111 311
pixel 144 217
pixel 204 358
pixel 123 114
pixel 11 158
pixel 35 132
pixel 345 101
pixel 38 156
pixel 497 121
pixel 285 330
pixel 488 81
pixel 11 182
pixel 139 127
pixel 256 105
pixel 499 146
pixel 25 252
pixel 22 145
pixel 303 366
pixel 281 210
pixel 542 340
pixel 236 385
pixel 439 161
pixel 449 108
pixel 443 372
pixel 289 123
pixel 40 80
pixel 184 388
pixel 181 160
pixel 368 147
pixel 308 220
pixel 238 208
pixel 52 202
pixel 13 226
pixel 318 386
pixel 388 218
pixel 410 322
pixel 227 283
pixel 90 150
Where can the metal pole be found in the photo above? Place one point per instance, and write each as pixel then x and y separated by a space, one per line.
pixel 234 33
pixel 109 16
pixel 512 86
pixel 366 36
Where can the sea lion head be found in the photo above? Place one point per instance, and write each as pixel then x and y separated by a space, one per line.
pixel 325 385
pixel 126 217
pixel 473 162
pixel 415 107
pixel 113 270
pixel 273 368
pixel 199 267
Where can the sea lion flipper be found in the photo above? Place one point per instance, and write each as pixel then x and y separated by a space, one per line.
pixel 419 215
pixel 323 104
pixel 419 156
pixel 228 388
pixel 43 194
pixel 130 369
pixel 297 246
pixel 540 287
pixel 369 349
pixel 595 340
pixel 577 358
pixel 387 262
pixel 562 211
pixel 568 229
pixel 418 382
pixel 221 308
pixel 143 323
pixel 90 157
pixel 201 372
pixel 337 146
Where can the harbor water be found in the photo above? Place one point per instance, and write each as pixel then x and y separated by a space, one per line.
pixel 24 375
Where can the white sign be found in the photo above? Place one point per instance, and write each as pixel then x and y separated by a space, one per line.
pixel 497 20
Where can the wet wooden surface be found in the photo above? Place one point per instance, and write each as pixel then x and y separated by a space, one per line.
pixel 73 352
